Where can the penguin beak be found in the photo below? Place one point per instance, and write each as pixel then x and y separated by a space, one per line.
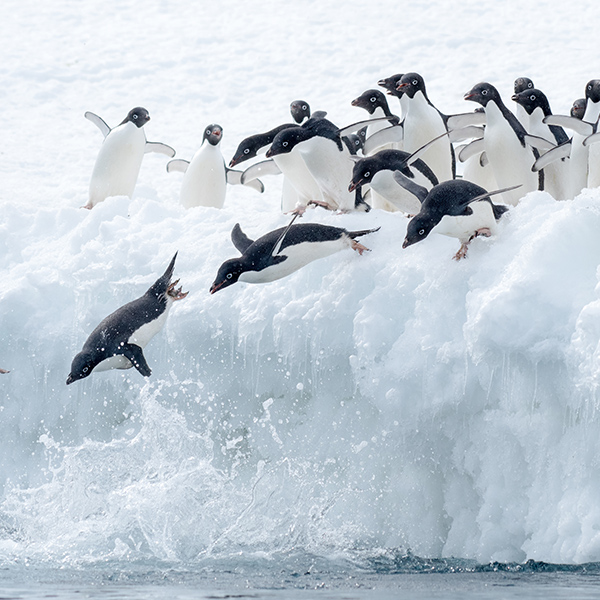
pixel 515 97
pixel 70 379
pixel 268 154
pixel 232 162
pixel 406 243
pixel 401 86
pixel 354 102
pixel 469 96
pixel 353 185
pixel 215 287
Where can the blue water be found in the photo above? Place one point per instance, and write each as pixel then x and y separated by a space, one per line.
pixel 303 576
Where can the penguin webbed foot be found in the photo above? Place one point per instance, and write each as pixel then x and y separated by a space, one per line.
pixel 176 294
pixel 135 355
pixel 462 251
pixel 359 247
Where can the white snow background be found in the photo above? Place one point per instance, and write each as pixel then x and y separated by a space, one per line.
pixel 398 400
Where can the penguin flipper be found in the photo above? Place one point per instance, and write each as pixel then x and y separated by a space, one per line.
pixel 99 122
pixel 416 155
pixel 465 133
pixel 465 119
pixel 356 126
pixel 389 135
pixel 414 188
pixel 535 141
pixel 160 148
pixel 562 151
pixel 592 139
pixel 235 178
pixel 240 240
pixel 264 167
pixel 135 355
pixel 475 147
pixel 493 193
pixel 576 125
pixel 177 165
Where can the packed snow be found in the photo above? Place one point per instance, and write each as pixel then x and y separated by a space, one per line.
pixel 394 400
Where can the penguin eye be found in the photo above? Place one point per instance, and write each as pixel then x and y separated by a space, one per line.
pixel 246 150
pixel 484 92
pixel 208 132
pixel 229 275
pixel 367 174
pixel 532 97
pixel 373 99
pixel 421 231
pixel 86 369
pixel 530 85
pixel 415 82
pixel 590 88
pixel 134 116
pixel 304 107
pixel 284 144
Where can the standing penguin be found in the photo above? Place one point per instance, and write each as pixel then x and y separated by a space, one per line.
pixel 510 157
pixel 522 84
pixel 120 158
pixel 206 176
pixel 424 122
pixel 118 341
pixel 283 251
pixel 374 102
pixel 456 208
pixel 536 108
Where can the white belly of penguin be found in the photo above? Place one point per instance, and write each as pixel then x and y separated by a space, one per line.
pixel 118 163
pixel 464 227
pixel 204 182
pixel 140 338
pixel 295 170
pixel 298 256
pixel 510 161
pixel 384 184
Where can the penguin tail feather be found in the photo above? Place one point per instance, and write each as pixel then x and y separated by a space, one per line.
pixel 355 234
pixel 499 210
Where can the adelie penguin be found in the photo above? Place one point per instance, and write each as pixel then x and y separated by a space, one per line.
pixel 120 157
pixel 283 251
pixel 118 341
pixel 505 145
pixel 456 208
pixel 206 176
pixel 375 103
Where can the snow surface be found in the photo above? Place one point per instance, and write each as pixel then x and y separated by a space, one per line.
pixel 394 400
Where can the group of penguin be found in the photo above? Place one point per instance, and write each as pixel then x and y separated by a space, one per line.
pixel 405 163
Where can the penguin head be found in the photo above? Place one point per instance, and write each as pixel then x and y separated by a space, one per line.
pixel 353 142
pixel 247 149
pixel 592 91
pixel 300 110
pixel 362 173
pixel 213 134
pixel 523 83
pixel 228 274
pixel 578 108
pixel 390 84
pixel 483 93
pixel 530 99
pixel 138 116
pixel 371 100
pixel 419 227
pixel 285 141
pixel 81 367
pixel 411 83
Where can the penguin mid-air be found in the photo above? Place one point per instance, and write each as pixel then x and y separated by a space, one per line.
pixel 536 108
pixel 117 342
pixel 120 157
pixel 456 208
pixel 283 251
pixel 206 176
pixel 506 148
pixel 424 122
pixel 378 171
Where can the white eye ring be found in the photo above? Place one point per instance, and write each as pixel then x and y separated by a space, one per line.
pixel 304 107
pixel 284 144
pixel 532 97
pixel 247 150
pixel 421 231
pixel 367 174
pixel 229 275
pixel 85 369
pixel 208 132
pixel 135 116
pixel 372 99
pixel 415 82
pixel 484 92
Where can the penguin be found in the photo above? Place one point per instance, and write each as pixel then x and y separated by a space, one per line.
pixel 378 171
pixel 120 157
pixel 374 102
pixel 504 141
pixel 521 84
pixel 300 111
pixel 315 155
pixel 390 85
pixel 584 158
pixel 578 108
pixel 118 341
pixel 4 371
pixel 455 208
pixel 424 122
pixel 283 251
pixel 206 176
pixel 536 108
